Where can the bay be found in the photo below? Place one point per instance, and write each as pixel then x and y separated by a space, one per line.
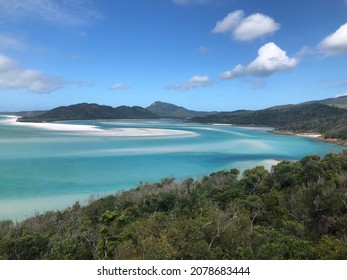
pixel 51 166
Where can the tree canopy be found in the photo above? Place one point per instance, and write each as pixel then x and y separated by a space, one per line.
pixel 296 211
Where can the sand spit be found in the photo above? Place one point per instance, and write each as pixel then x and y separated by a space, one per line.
pixel 304 134
pixel 316 136
pixel 91 130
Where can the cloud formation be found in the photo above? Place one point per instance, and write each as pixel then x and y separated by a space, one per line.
pixel 335 43
pixel 72 12
pixel 195 82
pixel 270 59
pixel 185 2
pixel 119 86
pixel 9 43
pixel 246 28
pixel 11 77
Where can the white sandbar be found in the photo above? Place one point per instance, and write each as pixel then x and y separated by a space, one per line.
pixel 94 130
pixel 310 135
pixel 269 163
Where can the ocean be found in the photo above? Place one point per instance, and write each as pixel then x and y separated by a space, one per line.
pixel 51 166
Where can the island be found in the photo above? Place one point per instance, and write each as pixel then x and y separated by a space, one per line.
pixel 324 119
pixel 86 111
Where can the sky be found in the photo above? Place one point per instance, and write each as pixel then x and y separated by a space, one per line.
pixel 213 55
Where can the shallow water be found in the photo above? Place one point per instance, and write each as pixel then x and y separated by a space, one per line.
pixel 43 169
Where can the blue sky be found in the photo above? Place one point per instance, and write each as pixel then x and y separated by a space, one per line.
pixel 202 54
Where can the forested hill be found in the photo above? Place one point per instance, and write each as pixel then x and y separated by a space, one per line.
pixel 167 110
pixel 296 211
pixel 312 117
pixel 340 102
pixel 86 111
pixel 327 117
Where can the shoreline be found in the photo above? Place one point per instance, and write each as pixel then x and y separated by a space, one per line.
pixel 303 134
pixel 91 130
pixel 20 209
pixel 316 136
pixel 333 141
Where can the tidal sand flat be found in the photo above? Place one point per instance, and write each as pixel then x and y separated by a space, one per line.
pixel 95 130
pixel 45 166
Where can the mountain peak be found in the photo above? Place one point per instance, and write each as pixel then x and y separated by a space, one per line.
pixel 168 110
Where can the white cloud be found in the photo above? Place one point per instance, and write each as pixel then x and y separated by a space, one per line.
pixel 304 51
pixel 255 26
pixel 118 86
pixel 335 43
pixel 270 59
pixel 6 63
pixel 195 82
pixel 7 42
pixel 11 77
pixel 72 12
pixel 236 72
pixel 185 2
pixel 229 23
pixel 246 29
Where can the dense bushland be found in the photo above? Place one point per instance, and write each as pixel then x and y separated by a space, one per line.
pixel 327 120
pixel 296 211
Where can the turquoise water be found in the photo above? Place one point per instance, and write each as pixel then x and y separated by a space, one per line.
pixel 43 169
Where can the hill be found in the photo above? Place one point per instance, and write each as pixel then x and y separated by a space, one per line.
pixel 339 102
pixel 167 110
pixel 86 111
pixel 311 117
pixel 327 117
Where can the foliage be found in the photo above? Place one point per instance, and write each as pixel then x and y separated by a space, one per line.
pixel 311 117
pixel 85 111
pixel 296 211
pixel 167 110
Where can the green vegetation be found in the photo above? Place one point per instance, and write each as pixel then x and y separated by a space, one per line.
pixel 327 117
pixel 340 102
pixel 296 211
pixel 311 117
pixel 85 111
pixel 167 110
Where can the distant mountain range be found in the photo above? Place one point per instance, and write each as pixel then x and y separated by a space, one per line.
pixel 327 117
pixel 86 111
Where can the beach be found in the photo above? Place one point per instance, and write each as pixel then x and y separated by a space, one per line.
pixel 316 136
